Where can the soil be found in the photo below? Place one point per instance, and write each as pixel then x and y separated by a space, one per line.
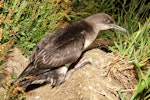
pixel 107 75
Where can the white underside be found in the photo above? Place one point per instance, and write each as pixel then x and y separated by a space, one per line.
pixel 63 70
pixel 87 43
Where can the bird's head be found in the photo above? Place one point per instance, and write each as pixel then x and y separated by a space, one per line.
pixel 102 21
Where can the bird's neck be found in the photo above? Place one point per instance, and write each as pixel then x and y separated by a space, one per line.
pixel 89 31
pixel 89 38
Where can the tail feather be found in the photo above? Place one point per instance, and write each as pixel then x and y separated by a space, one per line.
pixel 30 74
pixel 48 76
pixel 26 71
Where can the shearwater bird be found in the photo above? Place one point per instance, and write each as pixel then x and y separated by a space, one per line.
pixel 55 53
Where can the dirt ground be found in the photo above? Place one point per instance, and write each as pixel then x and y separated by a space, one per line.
pixel 107 75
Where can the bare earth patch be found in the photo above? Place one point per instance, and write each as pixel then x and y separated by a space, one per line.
pixel 107 75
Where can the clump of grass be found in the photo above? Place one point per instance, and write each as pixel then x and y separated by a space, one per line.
pixel 25 22
pixel 143 91
pixel 136 46
pixel 41 18
pixel 12 92
pixel 6 40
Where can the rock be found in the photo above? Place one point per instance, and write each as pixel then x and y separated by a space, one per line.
pixel 88 83
pixel 107 74
pixel 16 62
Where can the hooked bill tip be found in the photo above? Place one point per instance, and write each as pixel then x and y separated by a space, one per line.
pixel 120 28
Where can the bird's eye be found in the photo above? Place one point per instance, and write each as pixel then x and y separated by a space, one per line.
pixel 106 20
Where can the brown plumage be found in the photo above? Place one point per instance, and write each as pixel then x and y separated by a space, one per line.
pixel 54 54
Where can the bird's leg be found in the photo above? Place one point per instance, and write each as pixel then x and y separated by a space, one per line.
pixel 58 76
pixel 61 75
pixel 80 63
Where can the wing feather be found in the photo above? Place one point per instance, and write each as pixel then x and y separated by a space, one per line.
pixel 53 52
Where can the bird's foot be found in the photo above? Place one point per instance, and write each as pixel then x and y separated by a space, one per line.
pixel 61 75
pixel 58 76
pixel 80 63
pixel 53 82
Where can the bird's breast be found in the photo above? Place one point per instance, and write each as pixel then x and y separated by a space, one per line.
pixel 87 43
pixel 89 38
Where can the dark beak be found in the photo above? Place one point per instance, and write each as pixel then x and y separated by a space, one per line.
pixel 119 28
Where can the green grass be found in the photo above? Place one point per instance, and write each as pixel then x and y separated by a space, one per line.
pixel 136 45
pixel 136 48
pixel 40 19
pixel 143 91
pixel 25 22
